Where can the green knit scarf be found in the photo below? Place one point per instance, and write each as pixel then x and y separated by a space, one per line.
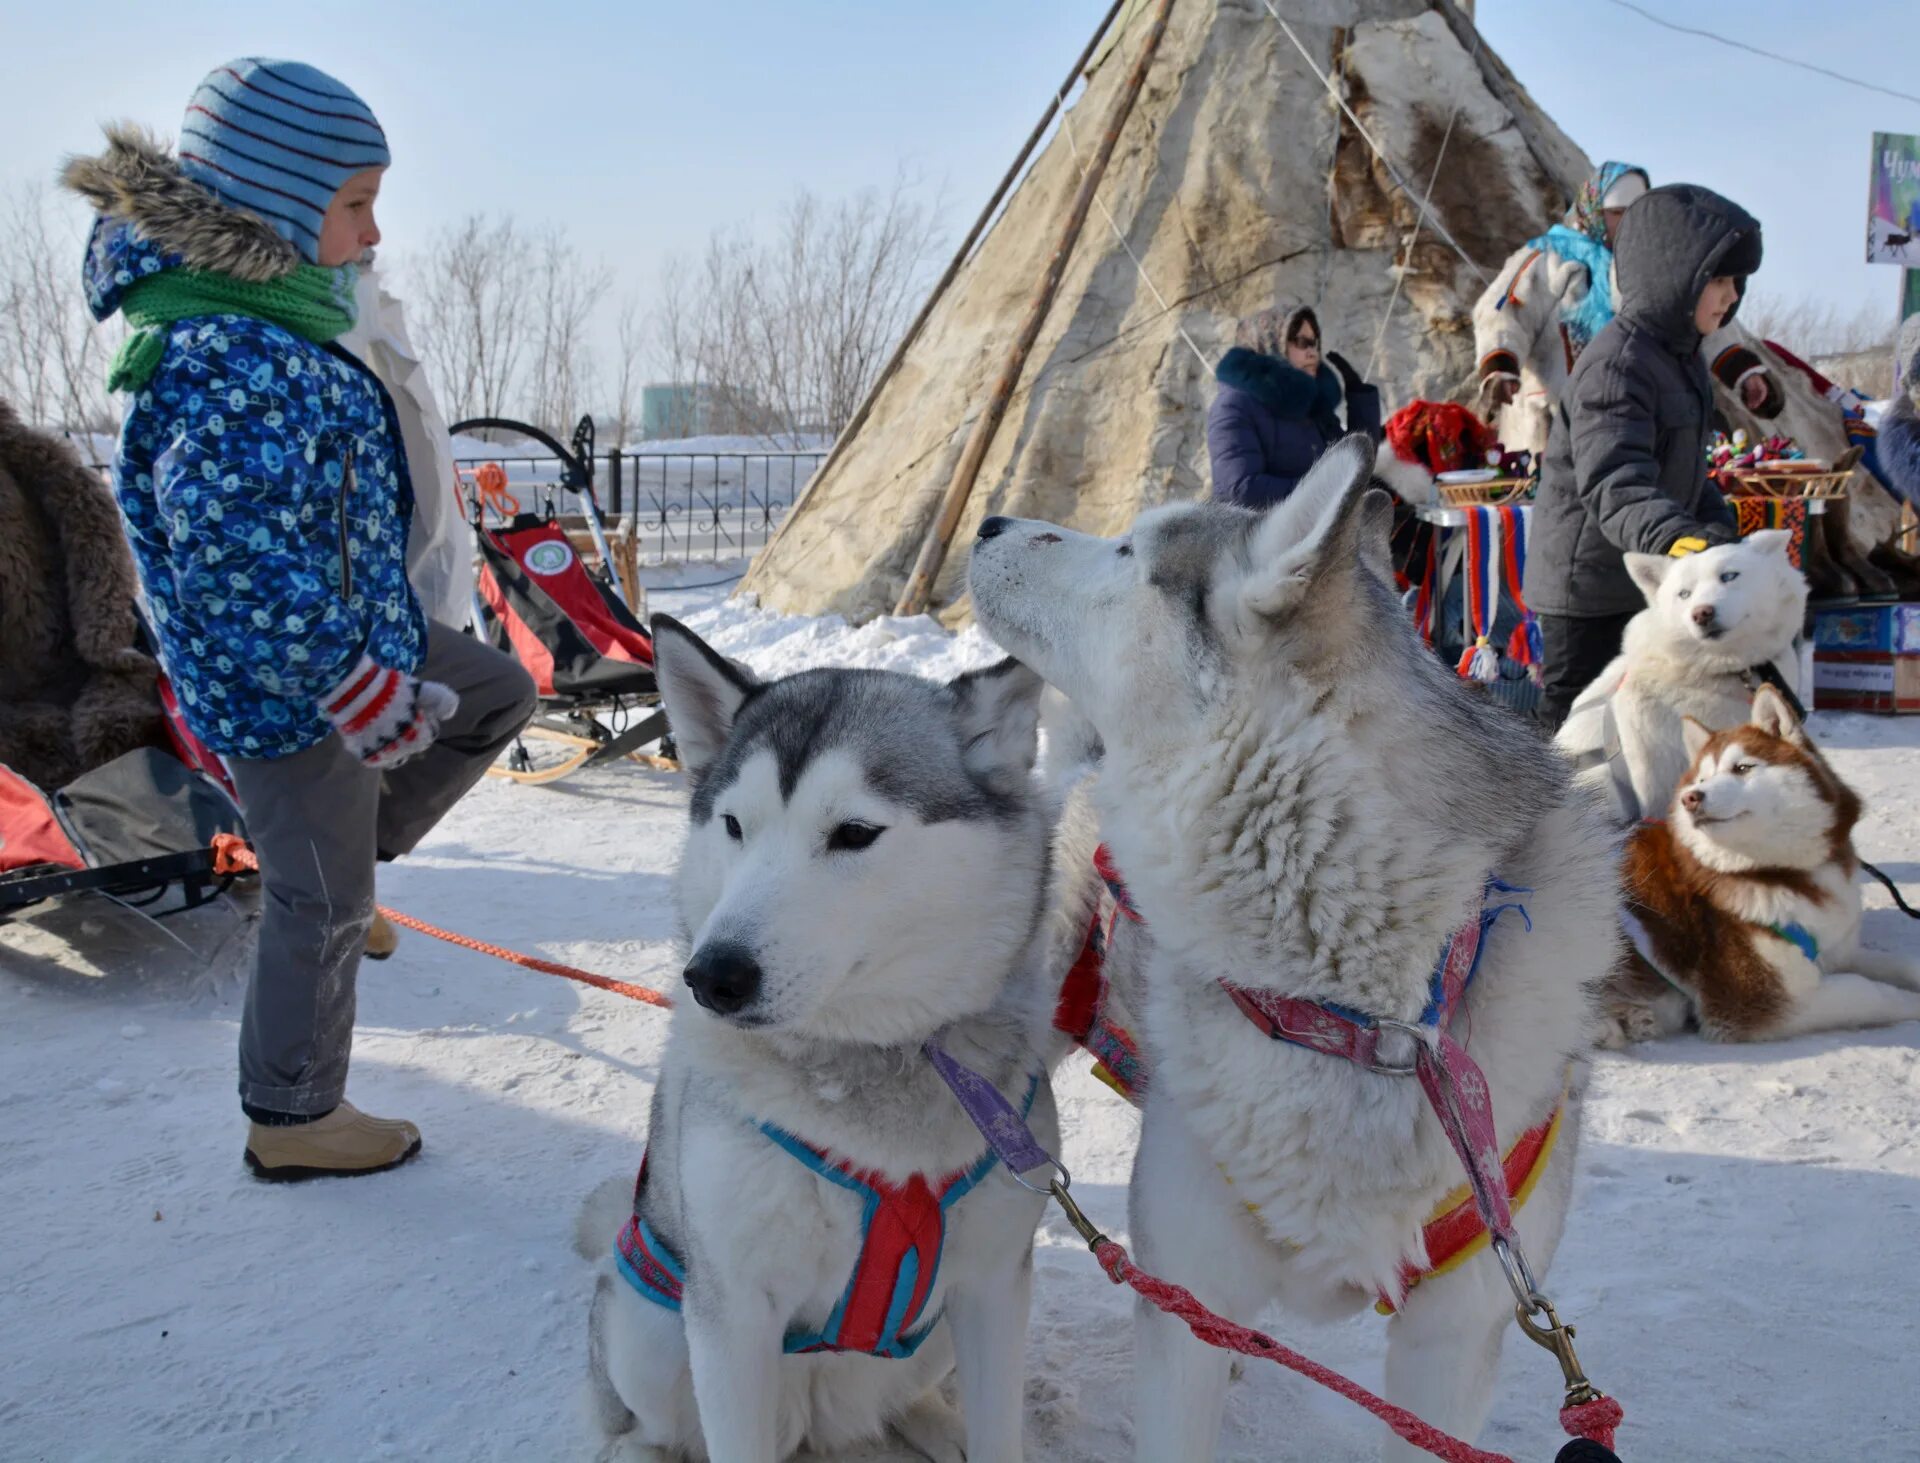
pixel 315 304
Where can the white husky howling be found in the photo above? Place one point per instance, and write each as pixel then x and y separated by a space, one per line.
pixel 1305 803
pixel 1716 623
pixel 869 865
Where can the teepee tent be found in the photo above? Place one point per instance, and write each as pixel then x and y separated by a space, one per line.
pixel 1371 157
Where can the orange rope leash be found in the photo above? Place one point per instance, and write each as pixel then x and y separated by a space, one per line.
pixel 490 490
pixel 232 856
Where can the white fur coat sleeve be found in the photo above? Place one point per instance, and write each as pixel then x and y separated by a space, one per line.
pixel 1517 332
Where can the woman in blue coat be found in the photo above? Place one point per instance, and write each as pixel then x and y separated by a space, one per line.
pixel 1279 407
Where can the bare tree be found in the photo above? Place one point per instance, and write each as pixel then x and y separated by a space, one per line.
pixel 473 313
pixel 506 317
pixel 786 334
pixel 53 358
pixel 630 343
pixel 1811 327
pixel 1855 350
pixel 563 292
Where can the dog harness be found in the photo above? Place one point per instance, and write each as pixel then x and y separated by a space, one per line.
pixel 1497 1184
pixel 1085 1011
pixel 1467 1220
pixel 902 1232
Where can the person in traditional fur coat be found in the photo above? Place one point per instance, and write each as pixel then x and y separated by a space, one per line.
pixel 1899 442
pixel 263 481
pixel 1554 294
pixel 1279 406
pixel 74 690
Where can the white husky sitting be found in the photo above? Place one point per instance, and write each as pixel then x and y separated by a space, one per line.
pixel 1713 621
pixel 870 864
pixel 1305 802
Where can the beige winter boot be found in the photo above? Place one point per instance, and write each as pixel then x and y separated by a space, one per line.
pixel 382 938
pixel 346 1141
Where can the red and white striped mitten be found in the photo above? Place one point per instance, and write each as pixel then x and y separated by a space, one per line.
pixel 386 716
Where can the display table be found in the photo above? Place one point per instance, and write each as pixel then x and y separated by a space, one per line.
pixel 1448 520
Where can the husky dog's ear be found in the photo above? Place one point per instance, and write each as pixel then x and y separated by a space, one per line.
pixel 701 688
pixel 1373 527
pixel 1772 715
pixel 1774 539
pixel 998 710
pixel 1649 571
pixel 1693 736
pixel 1290 540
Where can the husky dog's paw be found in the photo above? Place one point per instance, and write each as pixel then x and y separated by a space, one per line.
pixel 932 1427
pixel 1625 1023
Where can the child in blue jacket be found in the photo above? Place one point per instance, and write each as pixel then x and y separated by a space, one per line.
pixel 262 479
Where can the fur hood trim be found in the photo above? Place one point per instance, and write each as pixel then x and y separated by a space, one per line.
pixel 1282 388
pixel 137 181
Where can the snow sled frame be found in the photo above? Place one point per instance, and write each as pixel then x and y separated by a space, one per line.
pixel 570 627
pixel 136 829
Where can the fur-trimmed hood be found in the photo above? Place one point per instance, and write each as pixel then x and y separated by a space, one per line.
pixel 152 217
pixel 1283 389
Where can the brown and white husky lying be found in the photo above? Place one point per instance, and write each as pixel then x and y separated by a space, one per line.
pixel 1742 908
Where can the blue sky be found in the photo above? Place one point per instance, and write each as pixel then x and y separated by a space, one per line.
pixel 642 126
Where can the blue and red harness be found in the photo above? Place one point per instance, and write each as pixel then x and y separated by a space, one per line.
pixel 903 1229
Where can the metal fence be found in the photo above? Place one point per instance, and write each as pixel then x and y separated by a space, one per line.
pixel 687 506
pixel 699 507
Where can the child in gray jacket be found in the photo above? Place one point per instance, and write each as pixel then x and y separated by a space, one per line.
pixel 1626 468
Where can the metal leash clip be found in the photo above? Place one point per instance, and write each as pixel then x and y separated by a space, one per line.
pixel 1556 1335
pixel 1082 1225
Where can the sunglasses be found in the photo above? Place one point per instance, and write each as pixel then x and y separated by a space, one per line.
pixel 1305 342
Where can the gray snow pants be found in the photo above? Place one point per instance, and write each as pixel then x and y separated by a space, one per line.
pixel 318 820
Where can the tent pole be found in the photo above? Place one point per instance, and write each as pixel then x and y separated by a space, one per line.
pixel 1012 175
pixel 933 552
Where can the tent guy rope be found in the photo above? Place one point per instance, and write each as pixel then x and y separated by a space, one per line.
pixel 1066 127
pixel 1413 235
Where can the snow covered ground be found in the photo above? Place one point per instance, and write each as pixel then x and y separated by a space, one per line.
pixel 1740 1257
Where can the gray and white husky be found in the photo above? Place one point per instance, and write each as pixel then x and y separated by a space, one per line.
pixel 1305 802
pixel 870 863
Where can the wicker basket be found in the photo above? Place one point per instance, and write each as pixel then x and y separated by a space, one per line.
pixel 1793 479
pixel 1489 494
pixel 1781 481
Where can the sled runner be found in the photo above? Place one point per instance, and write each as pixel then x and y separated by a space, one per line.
pixel 568 623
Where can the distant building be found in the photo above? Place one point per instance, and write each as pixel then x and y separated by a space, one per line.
pixel 677 409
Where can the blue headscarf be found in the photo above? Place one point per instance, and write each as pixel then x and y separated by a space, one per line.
pixel 1582 238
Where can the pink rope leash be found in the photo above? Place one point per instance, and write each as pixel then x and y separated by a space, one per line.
pixel 1595 1420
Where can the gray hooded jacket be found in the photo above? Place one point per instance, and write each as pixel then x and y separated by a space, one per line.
pixel 1626 468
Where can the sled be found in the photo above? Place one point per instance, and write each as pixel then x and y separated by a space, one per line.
pixel 571 623
pixel 138 829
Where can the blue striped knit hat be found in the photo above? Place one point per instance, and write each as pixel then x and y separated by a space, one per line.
pixel 278 138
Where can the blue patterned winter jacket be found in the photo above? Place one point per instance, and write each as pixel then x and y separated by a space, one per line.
pixel 264 488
